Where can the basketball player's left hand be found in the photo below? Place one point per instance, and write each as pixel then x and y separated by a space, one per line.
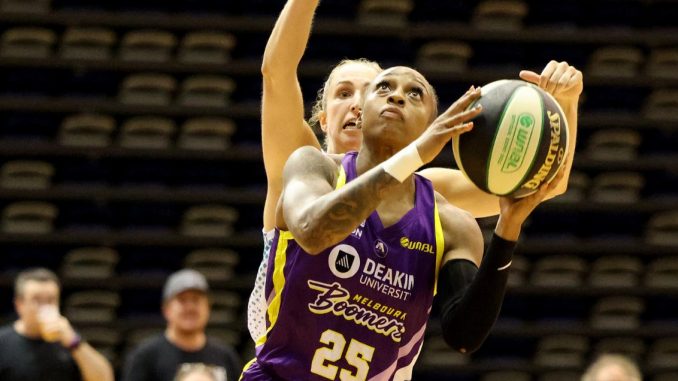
pixel 560 79
pixel 514 211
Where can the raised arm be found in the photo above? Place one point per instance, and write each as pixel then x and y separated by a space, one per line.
pixel 470 297
pixel 562 81
pixel 282 98
pixel 93 365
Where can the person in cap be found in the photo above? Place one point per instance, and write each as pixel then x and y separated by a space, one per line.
pixel 186 309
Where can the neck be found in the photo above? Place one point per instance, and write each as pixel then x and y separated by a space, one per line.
pixel 187 341
pixel 368 159
pixel 29 331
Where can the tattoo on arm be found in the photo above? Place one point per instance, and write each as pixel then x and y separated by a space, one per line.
pixel 338 213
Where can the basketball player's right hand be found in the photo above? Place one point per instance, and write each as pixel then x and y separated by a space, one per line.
pixel 514 211
pixel 453 122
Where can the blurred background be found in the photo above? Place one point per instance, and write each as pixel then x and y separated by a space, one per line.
pixel 130 147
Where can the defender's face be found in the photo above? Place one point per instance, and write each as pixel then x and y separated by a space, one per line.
pixel 398 106
pixel 344 97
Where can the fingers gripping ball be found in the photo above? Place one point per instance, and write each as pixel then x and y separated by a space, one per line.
pixel 517 143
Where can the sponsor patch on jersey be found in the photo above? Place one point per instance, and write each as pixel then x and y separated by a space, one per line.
pixel 380 248
pixel 416 245
pixel 344 261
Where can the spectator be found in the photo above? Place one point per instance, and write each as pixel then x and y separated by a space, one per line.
pixel 611 367
pixel 186 309
pixel 41 344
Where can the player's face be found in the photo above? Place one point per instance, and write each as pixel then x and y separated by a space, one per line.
pixel 188 311
pixel 34 295
pixel 343 97
pixel 398 106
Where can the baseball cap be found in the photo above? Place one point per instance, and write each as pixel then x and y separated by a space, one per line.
pixel 184 280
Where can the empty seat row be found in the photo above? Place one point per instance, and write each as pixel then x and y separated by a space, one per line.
pixel 560 351
pixel 146 132
pixel 217 264
pixel 572 351
pixel 611 187
pixel 616 271
pixel 99 43
pixel 155 89
pixel 33 217
pixel 660 228
pixel 560 376
pixel 137 132
pixel 628 61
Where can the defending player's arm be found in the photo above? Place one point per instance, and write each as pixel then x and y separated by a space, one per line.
pixel 566 84
pixel 562 81
pixel 471 296
pixel 282 98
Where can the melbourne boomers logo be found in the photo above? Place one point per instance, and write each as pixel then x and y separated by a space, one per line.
pixel 335 299
pixel 344 261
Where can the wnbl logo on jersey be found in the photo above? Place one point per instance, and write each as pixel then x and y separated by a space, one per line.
pixel 344 261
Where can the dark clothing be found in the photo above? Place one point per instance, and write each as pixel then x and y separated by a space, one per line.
pixel 26 359
pixel 157 359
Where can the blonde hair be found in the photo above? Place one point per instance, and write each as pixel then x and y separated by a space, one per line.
pixel 321 99
pixel 627 365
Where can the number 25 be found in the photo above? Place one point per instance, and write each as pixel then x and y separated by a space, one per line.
pixel 358 355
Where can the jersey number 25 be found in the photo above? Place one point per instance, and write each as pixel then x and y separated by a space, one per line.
pixel 357 355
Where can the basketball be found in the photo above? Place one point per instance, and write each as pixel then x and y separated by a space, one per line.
pixel 518 141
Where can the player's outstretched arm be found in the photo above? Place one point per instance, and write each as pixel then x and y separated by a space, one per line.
pixel 470 297
pixel 282 98
pixel 562 81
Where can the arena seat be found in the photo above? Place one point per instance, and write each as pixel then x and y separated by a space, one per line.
pixel 147 89
pixel 616 271
pixel 27 42
pixel 86 130
pixel 147 46
pixel 147 132
pixel 29 217
pixel 206 47
pixel 206 91
pixel 617 187
pixel 89 263
pixel 87 43
pixel 206 134
pixel 25 174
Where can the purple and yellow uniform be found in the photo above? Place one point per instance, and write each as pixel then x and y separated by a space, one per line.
pixel 358 310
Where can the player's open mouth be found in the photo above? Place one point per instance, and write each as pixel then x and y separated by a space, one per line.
pixel 351 125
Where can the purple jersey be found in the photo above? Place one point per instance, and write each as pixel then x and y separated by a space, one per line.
pixel 358 310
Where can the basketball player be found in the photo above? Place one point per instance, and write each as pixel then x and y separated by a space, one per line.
pixel 335 113
pixel 362 244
